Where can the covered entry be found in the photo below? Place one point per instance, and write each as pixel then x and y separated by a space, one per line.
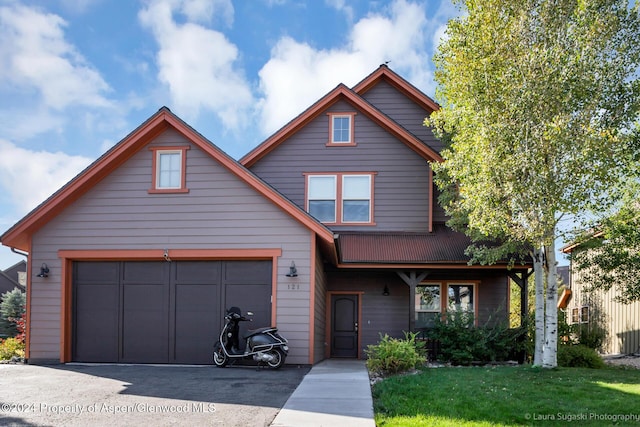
pixel 161 312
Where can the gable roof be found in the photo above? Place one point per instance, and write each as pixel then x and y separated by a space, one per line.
pixel 385 73
pixel 342 92
pixel 19 236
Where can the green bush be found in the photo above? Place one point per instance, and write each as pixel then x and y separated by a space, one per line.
pixel 392 355
pixel 11 347
pixel 460 342
pixel 579 356
pixel 12 307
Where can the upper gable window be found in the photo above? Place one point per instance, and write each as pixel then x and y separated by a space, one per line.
pixel 341 198
pixel 341 129
pixel 169 169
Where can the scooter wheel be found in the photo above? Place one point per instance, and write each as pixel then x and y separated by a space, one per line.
pixel 219 358
pixel 278 359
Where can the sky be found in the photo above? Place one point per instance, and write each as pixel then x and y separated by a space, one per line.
pixel 77 76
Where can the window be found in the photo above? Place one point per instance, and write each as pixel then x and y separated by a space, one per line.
pixel 428 305
pixel 341 131
pixel 169 175
pixel 461 298
pixel 575 315
pixel 341 198
pixel 584 314
pixel 321 193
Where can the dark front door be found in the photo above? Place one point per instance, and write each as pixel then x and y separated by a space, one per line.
pixel 344 326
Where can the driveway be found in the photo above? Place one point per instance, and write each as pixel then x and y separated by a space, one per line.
pixel 119 395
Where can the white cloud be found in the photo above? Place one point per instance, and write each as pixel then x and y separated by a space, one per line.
pixel 29 177
pixel 341 5
pixel 197 63
pixel 297 75
pixel 34 55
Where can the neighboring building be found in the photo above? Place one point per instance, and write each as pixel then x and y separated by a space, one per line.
pixel 330 229
pixel 14 277
pixel 621 321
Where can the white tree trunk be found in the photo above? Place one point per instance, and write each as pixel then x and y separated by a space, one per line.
pixel 550 349
pixel 539 321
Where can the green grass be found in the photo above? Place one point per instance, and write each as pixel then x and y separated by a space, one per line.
pixel 509 396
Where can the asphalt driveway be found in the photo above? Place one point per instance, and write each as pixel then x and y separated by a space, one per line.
pixel 124 395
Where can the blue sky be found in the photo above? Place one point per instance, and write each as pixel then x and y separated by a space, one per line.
pixel 76 76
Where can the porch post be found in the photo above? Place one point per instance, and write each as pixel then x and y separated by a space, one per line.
pixel 412 279
pixel 522 281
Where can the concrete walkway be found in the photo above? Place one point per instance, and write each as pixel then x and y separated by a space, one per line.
pixel 336 392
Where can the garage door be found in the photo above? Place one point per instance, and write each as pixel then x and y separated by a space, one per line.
pixel 162 312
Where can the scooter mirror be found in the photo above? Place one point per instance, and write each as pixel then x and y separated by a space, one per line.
pixel 249 313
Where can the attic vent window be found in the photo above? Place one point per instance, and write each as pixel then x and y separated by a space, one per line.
pixel 169 170
pixel 341 129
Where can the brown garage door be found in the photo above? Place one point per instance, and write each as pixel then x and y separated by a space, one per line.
pixel 162 312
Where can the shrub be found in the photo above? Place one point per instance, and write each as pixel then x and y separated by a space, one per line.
pixel 460 342
pixel 12 307
pixel 579 356
pixel 392 355
pixel 11 347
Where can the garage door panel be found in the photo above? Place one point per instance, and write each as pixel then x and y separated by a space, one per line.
pixel 145 323
pixel 97 321
pixel 247 272
pixel 89 273
pixel 145 272
pixel 198 272
pixel 254 298
pixel 197 322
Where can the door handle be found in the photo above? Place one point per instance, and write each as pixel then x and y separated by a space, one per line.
pixel 355 327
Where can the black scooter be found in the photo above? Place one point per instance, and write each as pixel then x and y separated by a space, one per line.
pixel 263 345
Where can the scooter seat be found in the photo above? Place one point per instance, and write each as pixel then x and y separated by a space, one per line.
pixel 252 332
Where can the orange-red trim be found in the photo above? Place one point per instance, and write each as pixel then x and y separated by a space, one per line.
pixel 328 308
pixel 339 200
pixel 352 130
pixel 340 92
pixel 68 256
pixel 183 170
pixel 564 298
pixel 312 299
pixel 384 73
pixel 19 235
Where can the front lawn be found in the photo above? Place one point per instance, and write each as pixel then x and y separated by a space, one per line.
pixel 509 396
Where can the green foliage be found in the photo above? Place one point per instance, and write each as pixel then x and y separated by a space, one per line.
pixel 579 356
pixel 611 256
pixel 11 347
pixel 460 342
pixel 12 307
pixel 392 355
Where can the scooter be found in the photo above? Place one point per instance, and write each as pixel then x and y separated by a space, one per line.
pixel 263 345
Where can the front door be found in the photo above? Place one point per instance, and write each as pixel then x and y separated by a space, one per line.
pixel 344 325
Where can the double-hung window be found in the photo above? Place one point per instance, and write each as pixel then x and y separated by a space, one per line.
pixel 436 299
pixel 169 170
pixel 340 198
pixel 428 305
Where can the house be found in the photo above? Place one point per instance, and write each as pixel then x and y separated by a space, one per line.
pixel 601 309
pixel 329 229
pixel 14 277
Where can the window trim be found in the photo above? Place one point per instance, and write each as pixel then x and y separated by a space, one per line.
pixel 339 180
pixel 352 141
pixel 155 177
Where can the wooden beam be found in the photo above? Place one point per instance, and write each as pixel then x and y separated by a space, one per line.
pixel 412 279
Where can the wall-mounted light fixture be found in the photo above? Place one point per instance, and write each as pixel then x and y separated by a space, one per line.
pixel 44 270
pixel 293 271
pixel 385 292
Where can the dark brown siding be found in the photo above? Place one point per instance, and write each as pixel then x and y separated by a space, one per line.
pixel 403 110
pixel 401 191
